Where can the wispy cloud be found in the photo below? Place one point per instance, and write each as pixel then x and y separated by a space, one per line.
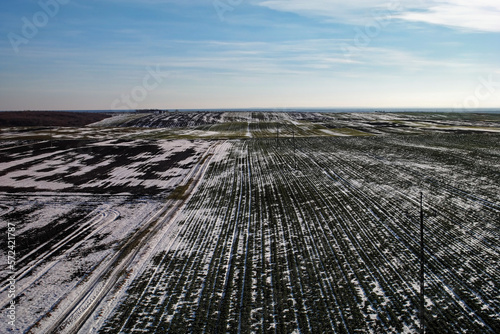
pixel 481 15
pixel 340 11
pixel 95 51
pixel 307 58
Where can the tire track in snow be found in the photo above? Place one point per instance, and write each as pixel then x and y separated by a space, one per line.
pixel 75 239
pixel 100 284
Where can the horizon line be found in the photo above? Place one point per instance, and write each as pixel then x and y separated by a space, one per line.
pixel 271 109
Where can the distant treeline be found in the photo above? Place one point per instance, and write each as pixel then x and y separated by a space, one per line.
pixel 49 118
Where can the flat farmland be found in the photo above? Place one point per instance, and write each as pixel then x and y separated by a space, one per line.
pixel 254 223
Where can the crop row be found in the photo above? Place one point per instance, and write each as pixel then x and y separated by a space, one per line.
pixel 324 239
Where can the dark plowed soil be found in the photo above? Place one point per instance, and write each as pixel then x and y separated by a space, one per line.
pixel 49 118
pixel 103 161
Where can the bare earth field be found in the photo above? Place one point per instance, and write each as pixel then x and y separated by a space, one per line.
pixel 49 118
pixel 250 222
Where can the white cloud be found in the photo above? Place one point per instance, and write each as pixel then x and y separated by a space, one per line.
pixel 483 15
pixel 480 15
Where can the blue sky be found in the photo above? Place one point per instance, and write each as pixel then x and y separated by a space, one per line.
pixel 172 54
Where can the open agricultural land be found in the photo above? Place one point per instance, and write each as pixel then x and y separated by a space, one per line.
pixel 251 222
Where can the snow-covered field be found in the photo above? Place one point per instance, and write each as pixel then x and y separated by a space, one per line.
pixel 313 234
pixel 331 246
pixel 242 125
pixel 108 166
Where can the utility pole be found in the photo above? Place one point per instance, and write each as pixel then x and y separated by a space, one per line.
pixel 277 134
pixel 294 149
pixel 422 262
